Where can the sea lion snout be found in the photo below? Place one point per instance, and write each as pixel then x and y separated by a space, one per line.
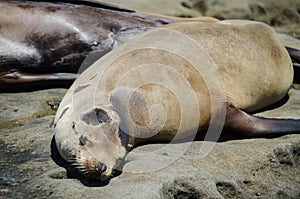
pixel 101 167
pixel 91 167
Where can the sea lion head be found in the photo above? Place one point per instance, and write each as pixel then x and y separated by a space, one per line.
pixel 93 143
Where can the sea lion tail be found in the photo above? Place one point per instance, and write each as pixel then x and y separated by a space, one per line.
pixel 254 126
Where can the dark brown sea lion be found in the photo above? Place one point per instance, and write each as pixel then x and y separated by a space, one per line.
pixel 42 41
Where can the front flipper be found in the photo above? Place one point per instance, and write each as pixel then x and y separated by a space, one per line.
pixel 15 80
pixel 241 122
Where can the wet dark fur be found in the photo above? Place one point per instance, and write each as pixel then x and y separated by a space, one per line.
pixel 64 51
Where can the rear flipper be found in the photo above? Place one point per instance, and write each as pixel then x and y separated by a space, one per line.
pixel 295 56
pixel 240 122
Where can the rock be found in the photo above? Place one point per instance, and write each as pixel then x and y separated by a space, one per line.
pixel 242 168
pixel 26 120
pixel 289 41
pixel 275 13
pixel 179 8
pixel 283 15
pixel 19 108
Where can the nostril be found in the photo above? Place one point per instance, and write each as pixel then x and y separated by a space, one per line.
pixel 101 167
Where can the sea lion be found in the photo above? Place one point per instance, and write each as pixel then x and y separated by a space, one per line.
pixel 45 43
pixel 169 83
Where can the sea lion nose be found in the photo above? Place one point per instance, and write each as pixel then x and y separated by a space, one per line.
pixel 101 167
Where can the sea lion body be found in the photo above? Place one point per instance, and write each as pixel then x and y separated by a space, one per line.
pixel 95 125
pixel 39 38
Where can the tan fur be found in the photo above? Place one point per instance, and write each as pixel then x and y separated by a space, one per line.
pixel 254 67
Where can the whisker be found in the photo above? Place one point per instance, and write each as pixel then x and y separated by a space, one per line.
pixel 76 164
pixel 83 165
pixel 80 167
pixel 85 172
pixel 71 161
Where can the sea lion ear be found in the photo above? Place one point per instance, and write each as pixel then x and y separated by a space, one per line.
pixel 96 117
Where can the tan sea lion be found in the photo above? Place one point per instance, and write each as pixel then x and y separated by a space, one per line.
pixel 169 83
